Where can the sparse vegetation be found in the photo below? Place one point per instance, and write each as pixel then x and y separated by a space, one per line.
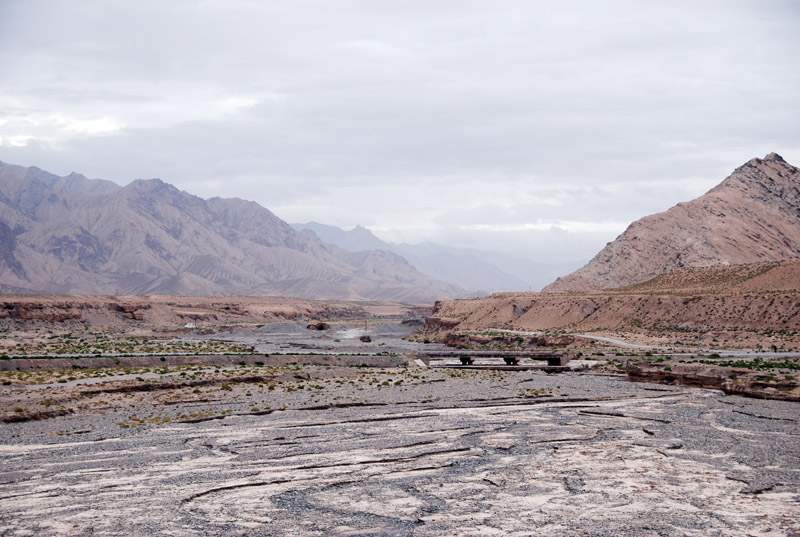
pixel 757 363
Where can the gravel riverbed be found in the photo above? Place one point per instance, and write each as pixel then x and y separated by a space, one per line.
pixel 309 450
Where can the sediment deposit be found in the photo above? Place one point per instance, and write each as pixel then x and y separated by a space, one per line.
pixel 472 453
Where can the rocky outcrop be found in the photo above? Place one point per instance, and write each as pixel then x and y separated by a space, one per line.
pixel 753 216
pixel 731 380
pixel 30 311
pixel 132 311
pixel 174 312
pixel 439 323
pixel 505 341
pixel 702 376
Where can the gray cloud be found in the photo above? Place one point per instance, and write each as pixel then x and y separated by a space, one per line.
pixel 480 123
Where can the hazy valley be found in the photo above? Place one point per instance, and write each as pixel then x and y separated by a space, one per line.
pixel 399 269
pixel 354 404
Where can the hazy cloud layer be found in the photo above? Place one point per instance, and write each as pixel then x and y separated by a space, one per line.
pixel 537 128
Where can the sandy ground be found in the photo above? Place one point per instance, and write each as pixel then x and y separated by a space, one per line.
pixel 442 452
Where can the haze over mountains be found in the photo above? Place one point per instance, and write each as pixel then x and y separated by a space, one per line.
pixel 474 270
pixel 74 235
pixel 83 236
pixel 753 216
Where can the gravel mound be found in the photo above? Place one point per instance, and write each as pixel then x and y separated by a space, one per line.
pixel 387 329
pixel 283 328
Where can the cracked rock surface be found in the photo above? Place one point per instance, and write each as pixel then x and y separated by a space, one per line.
pixel 604 457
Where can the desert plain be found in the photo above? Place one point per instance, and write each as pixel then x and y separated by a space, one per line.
pixel 191 420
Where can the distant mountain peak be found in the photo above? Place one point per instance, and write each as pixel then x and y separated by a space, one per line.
pixel 774 157
pixel 357 239
pixel 153 183
pixel 771 160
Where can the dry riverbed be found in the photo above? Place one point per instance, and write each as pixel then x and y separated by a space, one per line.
pixel 334 450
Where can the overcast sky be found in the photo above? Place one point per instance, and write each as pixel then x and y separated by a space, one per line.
pixel 539 128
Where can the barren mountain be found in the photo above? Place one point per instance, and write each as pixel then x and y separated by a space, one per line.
pixel 73 235
pixel 753 216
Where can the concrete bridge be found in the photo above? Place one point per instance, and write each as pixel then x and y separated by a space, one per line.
pixel 511 358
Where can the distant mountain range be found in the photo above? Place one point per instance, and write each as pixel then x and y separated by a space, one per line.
pixel 753 216
pixel 475 270
pixel 74 235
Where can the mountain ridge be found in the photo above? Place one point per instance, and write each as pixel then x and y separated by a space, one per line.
pixel 74 235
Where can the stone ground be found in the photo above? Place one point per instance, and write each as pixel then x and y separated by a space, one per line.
pixel 355 452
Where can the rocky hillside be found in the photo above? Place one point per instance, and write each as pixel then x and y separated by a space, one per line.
pixel 73 235
pixel 708 302
pixel 753 216
pixel 167 312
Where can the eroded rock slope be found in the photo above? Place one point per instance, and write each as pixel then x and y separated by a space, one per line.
pixel 753 216
pixel 761 297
